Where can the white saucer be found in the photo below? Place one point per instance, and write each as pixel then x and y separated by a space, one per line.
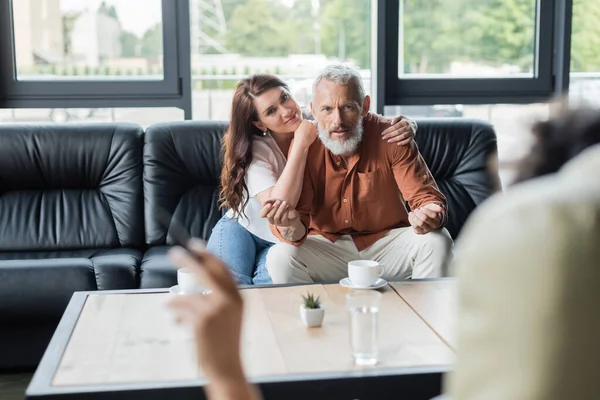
pixel 379 283
pixel 176 290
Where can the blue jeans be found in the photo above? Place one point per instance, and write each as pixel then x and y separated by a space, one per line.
pixel 244 253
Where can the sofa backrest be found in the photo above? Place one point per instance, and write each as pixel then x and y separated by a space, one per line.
pixel 182 166
pixel 461 154
pixel 65 187
pixel 182 169
pixel 70 186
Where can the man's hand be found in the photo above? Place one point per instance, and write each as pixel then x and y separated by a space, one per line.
pixel 426 219
pixel 401 132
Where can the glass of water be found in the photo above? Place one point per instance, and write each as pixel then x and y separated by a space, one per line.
pixel 363 307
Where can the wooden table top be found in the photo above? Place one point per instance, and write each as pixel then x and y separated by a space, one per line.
pixel 121 338
pixel 436 302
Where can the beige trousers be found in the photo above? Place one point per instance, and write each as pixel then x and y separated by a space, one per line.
pixel 402 253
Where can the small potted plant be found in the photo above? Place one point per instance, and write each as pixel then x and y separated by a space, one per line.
pixel 311 312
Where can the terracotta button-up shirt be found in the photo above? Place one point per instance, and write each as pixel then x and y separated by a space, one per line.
pixel 365 198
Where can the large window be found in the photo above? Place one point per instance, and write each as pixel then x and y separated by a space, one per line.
pixel 74 39
pixel 291 38
pixel 94 53
pixel 477 51
pixel 467 38
pixel 189 54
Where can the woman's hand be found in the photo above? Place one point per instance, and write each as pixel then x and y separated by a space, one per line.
pixel 402 131
pixel 306 134
pixel 279 213
pixel 216 318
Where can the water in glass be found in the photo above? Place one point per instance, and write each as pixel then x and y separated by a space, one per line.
pixel 363 334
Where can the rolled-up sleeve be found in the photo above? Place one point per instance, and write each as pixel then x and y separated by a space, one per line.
pixel 415 181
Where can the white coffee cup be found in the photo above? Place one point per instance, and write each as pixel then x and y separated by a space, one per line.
pixel 364 272
pixel 186 279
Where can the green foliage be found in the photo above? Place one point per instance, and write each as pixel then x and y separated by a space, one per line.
pixel 585 40
pixel 255 29
pixel 345 30
pixel 151 43
pixel 310 301
pixel 108 10
pixel 68 23
pixel 436 33
pixel 502 32
pixel 490 33
pixel 130 44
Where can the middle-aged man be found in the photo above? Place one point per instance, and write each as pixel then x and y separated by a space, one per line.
pixel 352 203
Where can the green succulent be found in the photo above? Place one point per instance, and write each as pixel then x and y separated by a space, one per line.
pixel 310 301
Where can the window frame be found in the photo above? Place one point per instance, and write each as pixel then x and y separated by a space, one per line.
pixel 429 91
pixel 174 90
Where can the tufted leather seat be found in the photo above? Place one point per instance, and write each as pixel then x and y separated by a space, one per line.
pixel 70 201
pixel 182 168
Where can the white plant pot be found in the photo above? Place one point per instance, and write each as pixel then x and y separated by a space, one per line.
pixel 312 317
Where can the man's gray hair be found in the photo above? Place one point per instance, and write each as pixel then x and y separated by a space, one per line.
pixel 342 75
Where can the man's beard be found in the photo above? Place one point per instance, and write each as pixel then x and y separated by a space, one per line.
pixel 341 147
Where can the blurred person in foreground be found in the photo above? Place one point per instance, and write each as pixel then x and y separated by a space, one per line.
pixel 528 266
pixel 528 320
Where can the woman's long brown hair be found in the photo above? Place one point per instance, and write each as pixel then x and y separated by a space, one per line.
pixel 237 142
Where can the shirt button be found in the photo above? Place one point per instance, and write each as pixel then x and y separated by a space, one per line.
pixel 345 200
pixel 346 221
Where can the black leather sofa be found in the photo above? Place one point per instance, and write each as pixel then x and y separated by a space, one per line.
pixel 79 207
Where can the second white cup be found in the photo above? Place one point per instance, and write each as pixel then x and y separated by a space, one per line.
pixel 364 272
pixel 186 279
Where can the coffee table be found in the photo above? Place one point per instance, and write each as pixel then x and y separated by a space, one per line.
pixel 125 344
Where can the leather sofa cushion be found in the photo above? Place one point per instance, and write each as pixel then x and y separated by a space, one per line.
pixel 41 284
pixel 156 271
pixel 182 169
pixel 70 187
pixel 460 153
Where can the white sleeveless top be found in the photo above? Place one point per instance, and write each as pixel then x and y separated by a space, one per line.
pixel 268 162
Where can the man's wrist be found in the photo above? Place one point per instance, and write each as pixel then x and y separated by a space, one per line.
pixel 287 232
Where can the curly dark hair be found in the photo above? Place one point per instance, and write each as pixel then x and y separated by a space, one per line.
pixel 558 140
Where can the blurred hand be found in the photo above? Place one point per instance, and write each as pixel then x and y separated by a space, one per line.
pixel 306 134
pixel 400 132
pixel 279 213
pixel 426 219
pixel 216 318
